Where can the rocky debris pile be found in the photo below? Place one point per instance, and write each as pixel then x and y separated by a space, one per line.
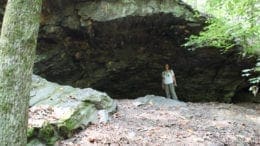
pixel 159 121
pixel 57 111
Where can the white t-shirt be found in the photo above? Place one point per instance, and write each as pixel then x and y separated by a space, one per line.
pixel 168 77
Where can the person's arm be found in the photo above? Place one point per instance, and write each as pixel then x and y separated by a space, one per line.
pixel 163 82
pixel 174 79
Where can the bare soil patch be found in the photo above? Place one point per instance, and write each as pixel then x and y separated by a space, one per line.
pixel 174 123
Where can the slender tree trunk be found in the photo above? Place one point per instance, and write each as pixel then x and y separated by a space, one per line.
pixel 17 50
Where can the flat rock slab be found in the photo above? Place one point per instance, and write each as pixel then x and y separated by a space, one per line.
pixel 56 111
pixel 158 101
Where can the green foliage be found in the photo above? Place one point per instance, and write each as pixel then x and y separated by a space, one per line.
pixel 47 134
pixel 233 22
pixel 30 132
pixel 210 37
pixel 253 72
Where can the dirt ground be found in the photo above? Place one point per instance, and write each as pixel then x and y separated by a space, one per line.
pixel 174 123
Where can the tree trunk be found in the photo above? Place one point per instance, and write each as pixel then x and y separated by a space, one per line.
pixel 17 50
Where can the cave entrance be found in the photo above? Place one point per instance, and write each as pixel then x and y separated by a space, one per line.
pixel 123 57
pixel 132 52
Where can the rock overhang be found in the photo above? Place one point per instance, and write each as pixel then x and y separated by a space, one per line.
pixel 114 9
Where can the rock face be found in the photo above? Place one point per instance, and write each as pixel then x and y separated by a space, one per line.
pixel 110 10
pixel 57 111
pixel 120 47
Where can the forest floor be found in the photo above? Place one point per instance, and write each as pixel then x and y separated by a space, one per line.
pixel 170 122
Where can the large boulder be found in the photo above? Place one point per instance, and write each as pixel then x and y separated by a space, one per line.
pixel 57 111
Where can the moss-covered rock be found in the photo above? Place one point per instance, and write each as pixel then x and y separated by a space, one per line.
pixel 57 111
pixel 47 134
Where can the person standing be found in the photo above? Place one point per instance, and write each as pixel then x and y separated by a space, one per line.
pixel 168 82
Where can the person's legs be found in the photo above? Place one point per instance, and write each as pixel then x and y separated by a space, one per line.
pixel 173 93
pixel 167 91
